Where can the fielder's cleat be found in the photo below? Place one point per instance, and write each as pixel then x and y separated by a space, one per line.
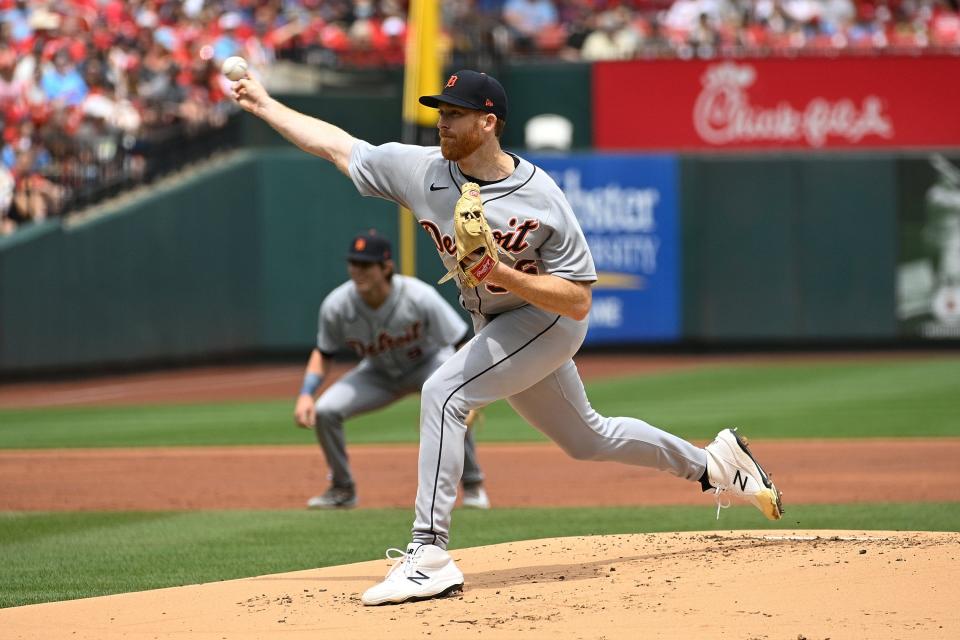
pixel 424 571
pixel 334 498
pixel 731 467
pixel 475 497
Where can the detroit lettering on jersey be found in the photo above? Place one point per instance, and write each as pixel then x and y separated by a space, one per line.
pixel 412 325
pixel 527 213
pixel 385 342
pixel 512 241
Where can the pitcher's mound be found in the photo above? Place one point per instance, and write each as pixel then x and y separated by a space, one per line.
pixel 743 584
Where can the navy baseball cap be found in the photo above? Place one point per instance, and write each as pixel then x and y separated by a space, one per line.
pixel 370 247
pixel 473 90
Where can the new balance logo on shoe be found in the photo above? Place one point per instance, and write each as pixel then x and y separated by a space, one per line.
pixel 419 578
pixel 741 480
pixel 411 566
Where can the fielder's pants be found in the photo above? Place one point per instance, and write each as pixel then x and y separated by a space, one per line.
pixel 364 389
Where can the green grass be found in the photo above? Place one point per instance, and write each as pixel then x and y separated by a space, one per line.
pixel 916 397
pixel 57 556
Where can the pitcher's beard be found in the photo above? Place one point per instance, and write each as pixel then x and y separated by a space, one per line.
pixel 457 149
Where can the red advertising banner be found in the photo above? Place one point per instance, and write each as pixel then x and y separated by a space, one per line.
pixel 807 103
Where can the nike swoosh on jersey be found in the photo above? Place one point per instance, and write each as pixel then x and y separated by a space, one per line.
pixel 436 188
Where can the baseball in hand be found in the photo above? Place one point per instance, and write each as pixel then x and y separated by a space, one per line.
pixel 234 68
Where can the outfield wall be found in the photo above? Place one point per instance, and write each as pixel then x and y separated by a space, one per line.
pixel 232 260
pixel 162 279
pixel 789 249
pixel 749 249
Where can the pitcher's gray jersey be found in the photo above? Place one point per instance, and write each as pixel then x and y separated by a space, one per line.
pixel 527 212
pixel 408 329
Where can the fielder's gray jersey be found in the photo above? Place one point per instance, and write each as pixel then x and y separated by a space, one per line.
pixel 527 212
pixel 409 328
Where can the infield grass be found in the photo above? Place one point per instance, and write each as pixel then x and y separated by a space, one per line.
pixel 876 398
pixel 57 556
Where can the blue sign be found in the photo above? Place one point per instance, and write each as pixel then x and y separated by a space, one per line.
pixel 628 208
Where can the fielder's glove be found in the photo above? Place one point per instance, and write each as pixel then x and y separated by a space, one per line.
pixel 477 253
pixel 474 418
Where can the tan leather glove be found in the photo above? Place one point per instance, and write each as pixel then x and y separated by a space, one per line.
pixel 477 253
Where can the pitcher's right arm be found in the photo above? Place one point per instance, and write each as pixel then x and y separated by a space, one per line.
pixel 310 134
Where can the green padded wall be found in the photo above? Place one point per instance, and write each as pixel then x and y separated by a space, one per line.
pixel 375 119
pixel 172 276
pixel 309 213
pixel 236 259
pixel 788 248
pixel 849 240
pixel 564 89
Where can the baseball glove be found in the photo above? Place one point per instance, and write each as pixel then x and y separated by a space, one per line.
pixel 477 253
pixel 474 418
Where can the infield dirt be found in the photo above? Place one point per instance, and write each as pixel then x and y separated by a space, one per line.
pixel 518 475
pixel 745 584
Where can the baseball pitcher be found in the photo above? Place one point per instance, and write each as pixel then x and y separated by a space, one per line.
pixel 506 231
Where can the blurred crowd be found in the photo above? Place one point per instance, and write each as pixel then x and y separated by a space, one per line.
pixel 623 29
pixel 91 89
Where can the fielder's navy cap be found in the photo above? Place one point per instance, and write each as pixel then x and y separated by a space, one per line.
pixel 370 247
pixel 473 90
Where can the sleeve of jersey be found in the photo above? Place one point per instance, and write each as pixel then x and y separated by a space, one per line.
pixel 565 252
pixel 445 324
pixel 385 171
pixel 329 337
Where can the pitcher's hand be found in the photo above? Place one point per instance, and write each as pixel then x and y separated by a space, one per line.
pixel 250 95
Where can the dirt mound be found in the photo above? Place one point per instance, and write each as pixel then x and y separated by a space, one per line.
pixel 745 584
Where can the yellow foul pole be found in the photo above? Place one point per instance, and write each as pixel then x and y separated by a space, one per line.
pixel 421 77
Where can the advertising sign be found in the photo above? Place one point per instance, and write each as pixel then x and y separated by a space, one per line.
pixel 806 103
pixel 928 274
pixel 628 208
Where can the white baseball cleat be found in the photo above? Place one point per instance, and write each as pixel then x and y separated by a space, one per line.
pixel 731 467
pixel 475 497
pixel 423 571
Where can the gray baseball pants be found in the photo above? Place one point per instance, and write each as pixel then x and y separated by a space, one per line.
pixel 364 389
pixel 524 356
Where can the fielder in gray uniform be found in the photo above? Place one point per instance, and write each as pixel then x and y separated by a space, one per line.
pixel 529 316
pixel 403 331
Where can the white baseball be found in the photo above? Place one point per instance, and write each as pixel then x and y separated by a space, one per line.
pixel 234 68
